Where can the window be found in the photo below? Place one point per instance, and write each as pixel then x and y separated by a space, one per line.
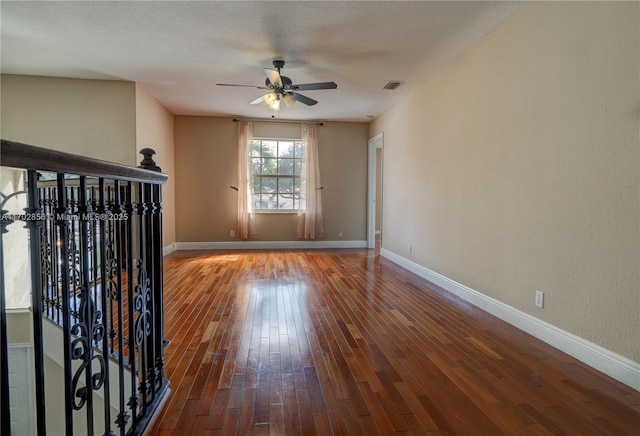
pixel 276 166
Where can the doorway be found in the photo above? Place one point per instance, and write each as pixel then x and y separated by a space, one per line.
pixel 374 204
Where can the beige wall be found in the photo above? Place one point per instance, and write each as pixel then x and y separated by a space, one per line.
pixel 516 168
pixel 102 119
pixel 206 165
pixel 154 129
pixel 19 324
pixel 94 118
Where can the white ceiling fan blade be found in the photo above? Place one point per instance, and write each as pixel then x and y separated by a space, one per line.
pixel 244 86
pixel 274 77
pixel 259 99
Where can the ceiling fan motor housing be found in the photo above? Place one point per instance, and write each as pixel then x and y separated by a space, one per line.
pixel 286 84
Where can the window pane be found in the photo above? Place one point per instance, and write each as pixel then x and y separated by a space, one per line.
pixel 285 203
pixel 269 166
pixel 255 147
pixel 269 184
pixel 298 149
pixel 269 148
pixel 286 149
pixel 297 167
pixel 256 165
pixel 269 201
pixel 256 201
pixel 256 184
pixel 285 184
pixel 285 166
pixel 296 193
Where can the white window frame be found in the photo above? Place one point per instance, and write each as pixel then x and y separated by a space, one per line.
pixel 277 176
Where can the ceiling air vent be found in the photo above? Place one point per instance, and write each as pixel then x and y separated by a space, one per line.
pixel 392 85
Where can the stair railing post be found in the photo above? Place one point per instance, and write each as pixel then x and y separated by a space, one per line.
pixel 4 346
pixel 35 226
pixel 155 256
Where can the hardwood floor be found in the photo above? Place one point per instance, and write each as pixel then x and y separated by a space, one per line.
pixel 344 342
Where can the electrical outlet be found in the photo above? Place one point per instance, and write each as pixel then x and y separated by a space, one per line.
pixel 340 234
pixel 539 299
pixel 232 234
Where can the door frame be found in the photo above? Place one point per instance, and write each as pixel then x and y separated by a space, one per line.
pixel 375 143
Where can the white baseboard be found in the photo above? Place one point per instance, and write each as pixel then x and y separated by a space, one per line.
pixel 268 245
pixel 614 365
pixel 168 249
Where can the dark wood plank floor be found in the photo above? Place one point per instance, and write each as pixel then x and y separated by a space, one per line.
pixel 344 342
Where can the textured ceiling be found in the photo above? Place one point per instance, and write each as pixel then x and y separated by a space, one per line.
pixel 178 51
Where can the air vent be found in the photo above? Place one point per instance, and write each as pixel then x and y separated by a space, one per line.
pixel 392 85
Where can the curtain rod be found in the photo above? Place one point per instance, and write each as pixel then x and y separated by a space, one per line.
pixel 260 120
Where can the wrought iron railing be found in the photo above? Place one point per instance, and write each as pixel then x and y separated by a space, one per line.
pixel 95 244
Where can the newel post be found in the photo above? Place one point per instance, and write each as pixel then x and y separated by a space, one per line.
pixel 154 250
pixel 148 163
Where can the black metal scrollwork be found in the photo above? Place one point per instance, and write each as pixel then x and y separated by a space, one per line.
pixel 82 349
pixel 45 254
pixel 46 265
pixel 110 279
pixel 142 296
pixel 74 260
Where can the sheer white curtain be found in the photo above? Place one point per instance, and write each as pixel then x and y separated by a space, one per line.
pixel 310 225
pixel 246 215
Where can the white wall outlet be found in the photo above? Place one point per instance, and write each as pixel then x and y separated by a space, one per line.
pixel 340 234
pixel 232 233
pixel 539 299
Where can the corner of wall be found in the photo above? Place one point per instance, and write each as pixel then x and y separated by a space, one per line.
pixel 155 129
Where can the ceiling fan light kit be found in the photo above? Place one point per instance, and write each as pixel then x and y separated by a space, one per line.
pixel 281 88
pixel 272 100
pixel 288 100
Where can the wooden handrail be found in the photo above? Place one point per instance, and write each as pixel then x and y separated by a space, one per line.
pixel 29 157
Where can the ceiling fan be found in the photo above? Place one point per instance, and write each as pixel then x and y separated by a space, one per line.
pixel 281 88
